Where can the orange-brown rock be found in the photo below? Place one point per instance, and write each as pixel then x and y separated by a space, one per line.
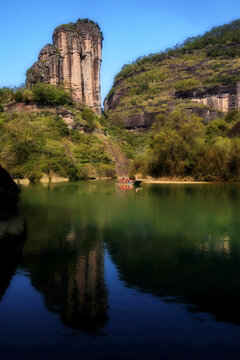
pixel 74 59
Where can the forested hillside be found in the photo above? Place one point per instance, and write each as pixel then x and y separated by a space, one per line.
pixel 186 100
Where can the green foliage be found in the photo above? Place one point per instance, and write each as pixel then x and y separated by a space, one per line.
pixel 33 76
pixel 112 91
pixel 89 117
pixel 41 143
pixel 232 116
pixel 218 127
pixel 47 94
pixel 181 145
pixel 186 84
pixel 73 26
pixel 143 87
pixel 125 71
pixel 88 21
pixel 218 42
pixel 18 96
pixel 172 150
pixel 222 79
pixel 6 94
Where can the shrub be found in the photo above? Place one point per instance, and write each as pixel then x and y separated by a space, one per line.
pixel 6 94
pixel 88 116
pixel 216 128
pixel 18 96
pixel 47 94
pixel 232 116
pixel 186 84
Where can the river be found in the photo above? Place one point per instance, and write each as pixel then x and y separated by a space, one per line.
pixel 124 273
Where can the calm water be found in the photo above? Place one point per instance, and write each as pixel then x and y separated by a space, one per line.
pixel 113 274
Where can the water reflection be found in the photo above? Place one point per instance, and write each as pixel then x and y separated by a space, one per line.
pixel 10 254
pixel 71 277
pixel 180 242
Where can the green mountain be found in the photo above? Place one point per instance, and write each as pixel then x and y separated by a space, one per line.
pixel 200 76
pixel 186 101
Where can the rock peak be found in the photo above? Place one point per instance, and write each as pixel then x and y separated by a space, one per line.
pixel 74 59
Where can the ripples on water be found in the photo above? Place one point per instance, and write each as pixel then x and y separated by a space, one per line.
pixel 108 272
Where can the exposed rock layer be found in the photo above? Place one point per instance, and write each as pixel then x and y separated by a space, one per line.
pixel 74 59
pixel 216 100
pixel 222 98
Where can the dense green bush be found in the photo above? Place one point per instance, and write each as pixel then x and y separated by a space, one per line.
pixel 89 117
pixel 47 94
pixel 181 145
pixel 232 116
pixel 18 96
pixel 41 143
pixel 186 84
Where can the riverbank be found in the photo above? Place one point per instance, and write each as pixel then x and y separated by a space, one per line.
pixel 165 180
pixel 56 179
pixel 44 180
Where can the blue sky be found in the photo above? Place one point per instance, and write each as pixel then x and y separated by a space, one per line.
pixel 131 28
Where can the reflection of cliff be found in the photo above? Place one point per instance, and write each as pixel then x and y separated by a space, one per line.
pixel 85 303
pixel 71 278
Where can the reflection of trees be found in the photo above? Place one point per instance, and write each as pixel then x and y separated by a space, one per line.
pixel 86 295
pixel 179 241
pixel 185 246
pixel 203 278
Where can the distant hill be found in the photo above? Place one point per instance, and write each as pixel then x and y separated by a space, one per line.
pixel 201 75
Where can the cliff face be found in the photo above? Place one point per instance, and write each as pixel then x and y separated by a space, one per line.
pixel 74 59
pixel 213 102
pixel 222 98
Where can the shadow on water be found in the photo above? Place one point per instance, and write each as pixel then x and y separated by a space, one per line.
pixel 180 242
pixel 10 251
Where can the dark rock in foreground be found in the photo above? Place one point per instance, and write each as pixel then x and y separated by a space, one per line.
pixel 11 223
